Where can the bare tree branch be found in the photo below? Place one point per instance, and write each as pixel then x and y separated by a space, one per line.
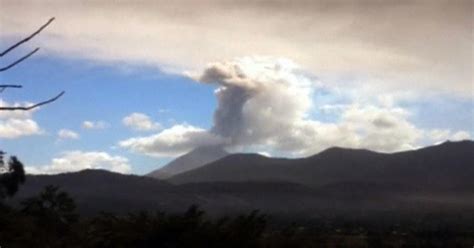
pixel 27 38
pixel 19 60
pixel 10 86
pixel 34 105
pixel 4 86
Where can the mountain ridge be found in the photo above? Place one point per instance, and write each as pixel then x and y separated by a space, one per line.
pixel 191 160
pixel 340 164
pixel 312 187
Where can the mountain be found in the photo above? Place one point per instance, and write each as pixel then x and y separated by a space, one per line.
pixel 97 190
pixel 334 182
pixel 448 166
pixel 189 161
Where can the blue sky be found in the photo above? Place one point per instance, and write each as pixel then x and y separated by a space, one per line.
pixel 99 92
pixel 158 81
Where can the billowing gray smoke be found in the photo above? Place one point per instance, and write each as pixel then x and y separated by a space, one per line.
pixel 232 95
pixel 228 118
pixel 258 99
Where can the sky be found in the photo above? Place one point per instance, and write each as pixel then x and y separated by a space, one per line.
pixel 147 81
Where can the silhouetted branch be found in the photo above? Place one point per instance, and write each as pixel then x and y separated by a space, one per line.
pixel 19 61
pixel 4 86
pixel 10 86
pixel 27 38
pixel 34 105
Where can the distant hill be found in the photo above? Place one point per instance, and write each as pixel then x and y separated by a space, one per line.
pixel 97 190
pixel 448 166
pixel 335 181
pixel 189 161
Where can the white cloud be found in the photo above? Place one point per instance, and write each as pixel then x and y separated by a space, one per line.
pixel 442 135
pixel 171 142
pixel 94 124
pixel 67 134
pixel 15 124
pixel 265 103
pixel 140 122
pixel 15 128
pixel 382 129
pixel 78 160
pixel 460 135
pixel 438 135
pixel 336 40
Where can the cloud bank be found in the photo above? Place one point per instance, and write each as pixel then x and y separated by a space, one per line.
pixel 78 160
pixel 417 47
pixel 267 103
pixel 172 142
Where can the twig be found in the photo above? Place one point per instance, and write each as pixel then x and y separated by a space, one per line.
pixel 34 105
pixel 10 86
pixel 4 86
pixel 27 38
pixel 19 61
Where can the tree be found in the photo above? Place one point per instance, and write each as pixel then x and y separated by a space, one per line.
pixel 13 175
pixel 52 206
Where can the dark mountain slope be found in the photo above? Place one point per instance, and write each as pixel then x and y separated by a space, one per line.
pixel 192 160
pixel 99 190
pixel 443 167
pixel 335 181
pixel 96 190
pixel 270 197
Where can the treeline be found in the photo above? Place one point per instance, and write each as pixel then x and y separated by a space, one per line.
pixel 50 220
